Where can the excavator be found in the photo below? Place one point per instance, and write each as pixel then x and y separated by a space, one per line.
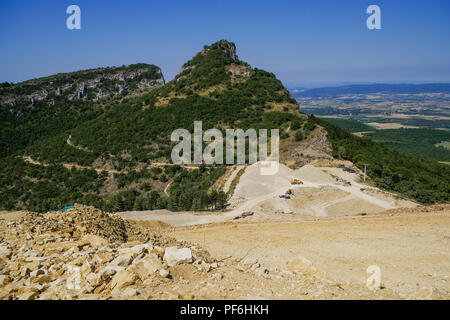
pixel 287 195
pixel 296 181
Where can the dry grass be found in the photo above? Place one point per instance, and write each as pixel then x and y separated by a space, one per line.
pixel 151 224
pixel 444 144
pixel 392 125
pixel 235 182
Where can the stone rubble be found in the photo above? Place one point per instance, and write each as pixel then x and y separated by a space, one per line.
pixel 87 254
pixel 83 253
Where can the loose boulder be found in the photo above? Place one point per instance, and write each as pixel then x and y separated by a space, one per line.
pixel 124 279
pixel 174 256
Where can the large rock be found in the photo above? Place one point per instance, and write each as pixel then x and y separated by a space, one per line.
pixel 249 261
pixel 43 279
pixel 147 266
pixel 124 279
pixel 103 257
pixel 93 240
pixel 134 250
pixel 4 280
pixel 174 256
pixel 86 268
pixel 29 295
pixel 164 273
pixel 94 279
pixel 5 252
pixel 122 260
pixel 111 270
pixel 73 281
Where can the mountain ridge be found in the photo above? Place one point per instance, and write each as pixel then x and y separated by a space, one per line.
pixel 333 91
pixel 44 107
pixel 126 135
pixel 75 85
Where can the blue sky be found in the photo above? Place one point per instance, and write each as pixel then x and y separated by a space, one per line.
pixel 302 42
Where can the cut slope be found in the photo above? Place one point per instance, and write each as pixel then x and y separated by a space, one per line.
pixel 320 194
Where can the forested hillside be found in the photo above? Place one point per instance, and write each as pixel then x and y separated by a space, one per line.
pixel 114 153
pixel 45 107
pixel 426 142
pixel 418 178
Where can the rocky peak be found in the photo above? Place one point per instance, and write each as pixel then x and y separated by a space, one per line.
pixel 228 48
pixel 214 52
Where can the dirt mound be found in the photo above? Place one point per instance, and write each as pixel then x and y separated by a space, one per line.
pixel 81 221
pixel 314 174
pixel 419 210
pixel 153 224
pixel 253 184
pixel 85 253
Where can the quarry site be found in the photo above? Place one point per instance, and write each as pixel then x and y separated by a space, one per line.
pixel 309 233
pixel 225 156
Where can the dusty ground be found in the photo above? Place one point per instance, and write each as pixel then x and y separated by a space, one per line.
pixel 325 191
pixel 313 258
pixel 335 222
pixel 81 254
pixel 410 247
pixel 316 245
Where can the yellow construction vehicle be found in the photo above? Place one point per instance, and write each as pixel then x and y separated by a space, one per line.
pixel 296 181
pixel 289 192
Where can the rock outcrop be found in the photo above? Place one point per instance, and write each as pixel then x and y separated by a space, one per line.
pixel 229 48
pixel 93 84
pixel 315 147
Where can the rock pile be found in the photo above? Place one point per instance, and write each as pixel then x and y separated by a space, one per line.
pixel 84 253
pixel 80 221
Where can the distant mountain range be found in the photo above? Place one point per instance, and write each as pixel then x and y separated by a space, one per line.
pixel 373 88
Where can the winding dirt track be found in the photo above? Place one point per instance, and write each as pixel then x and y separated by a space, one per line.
pixel 227 185
pixel 176 219
pixel 110 171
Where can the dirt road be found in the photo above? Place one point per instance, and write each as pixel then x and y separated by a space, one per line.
pixel 110 171
pixel 412 250
pixel 227 185
pixel 176 219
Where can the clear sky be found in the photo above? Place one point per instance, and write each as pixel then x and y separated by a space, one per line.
pixel 302 42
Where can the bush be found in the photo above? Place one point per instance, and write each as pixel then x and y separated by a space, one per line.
pixel 298 135
pixel 296 124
